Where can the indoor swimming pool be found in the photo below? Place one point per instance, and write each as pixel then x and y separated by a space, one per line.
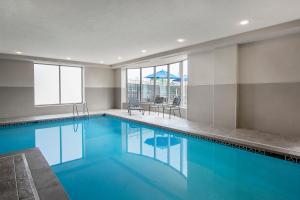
pixel 105 157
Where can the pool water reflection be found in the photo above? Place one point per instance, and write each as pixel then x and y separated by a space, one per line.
pixel 157 145
pixel 61 143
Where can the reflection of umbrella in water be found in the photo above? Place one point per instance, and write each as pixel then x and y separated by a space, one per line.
pixel 162 142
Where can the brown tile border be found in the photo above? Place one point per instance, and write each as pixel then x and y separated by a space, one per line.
pixel 46 120
pixel 26 122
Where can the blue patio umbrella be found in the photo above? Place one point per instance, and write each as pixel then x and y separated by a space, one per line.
pixel 185 78
pixel 162 74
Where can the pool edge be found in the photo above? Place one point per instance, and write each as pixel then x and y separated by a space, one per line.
pixel 267 150
pixel 223 140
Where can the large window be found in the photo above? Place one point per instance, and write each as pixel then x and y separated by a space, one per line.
pixel 46 84
pixel 148 84
pixel 133 83
pixel 162 74
pixel 184 81
pixel 54 84
pixel 71 84
pixel 168 81
pixel 174 81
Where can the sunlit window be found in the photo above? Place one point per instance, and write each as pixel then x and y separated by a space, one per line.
pixel 54 84
pixel 46 84
pixel 71 84
pixel 148 84
pixel 174 81
pixel 184 82
pixel 167 81
pixel 133 84
pixel 162 81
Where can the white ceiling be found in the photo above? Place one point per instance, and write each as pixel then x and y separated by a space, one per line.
pixel 96 30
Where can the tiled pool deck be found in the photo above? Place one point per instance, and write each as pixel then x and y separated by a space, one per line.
pixel 266 143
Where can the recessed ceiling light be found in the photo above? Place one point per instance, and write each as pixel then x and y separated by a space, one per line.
pixel 101 62
pixel 19 52
pixel 68 58
pixel 120 58
pixel 144 51
pixel 180 40
pixel 244 22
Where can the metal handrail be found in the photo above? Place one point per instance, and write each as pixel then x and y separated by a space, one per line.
pixel 75 126
pixel 85 108
pixel 75 108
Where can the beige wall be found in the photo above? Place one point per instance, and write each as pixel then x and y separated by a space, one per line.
pixel 226 65
pixel 16 73
pixel 99 88
pixel 270 61
pixel 17 90
pixel 254 86
pixel 99 77
pixel 269 89
pixel 225 86
pixel 200 87
pixel 201 68
pixel 120 84
pixel 212 89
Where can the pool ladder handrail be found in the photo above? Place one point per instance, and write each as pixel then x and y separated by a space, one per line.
pixel 75 108
pixel 85 108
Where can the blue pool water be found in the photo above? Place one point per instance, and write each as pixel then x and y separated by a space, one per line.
pixel 108 158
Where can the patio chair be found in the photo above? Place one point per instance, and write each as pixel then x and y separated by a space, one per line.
pixel 172 107
pixel 134 104
pixel 158 102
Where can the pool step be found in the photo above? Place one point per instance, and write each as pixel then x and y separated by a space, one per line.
pixel 15 179
pixel 26 175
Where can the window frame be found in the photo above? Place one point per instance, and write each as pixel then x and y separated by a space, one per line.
pixel 168 82
pixel 128 83
pixel 59 84
pixel 183 90
pixel 181 80
pixel 141 81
